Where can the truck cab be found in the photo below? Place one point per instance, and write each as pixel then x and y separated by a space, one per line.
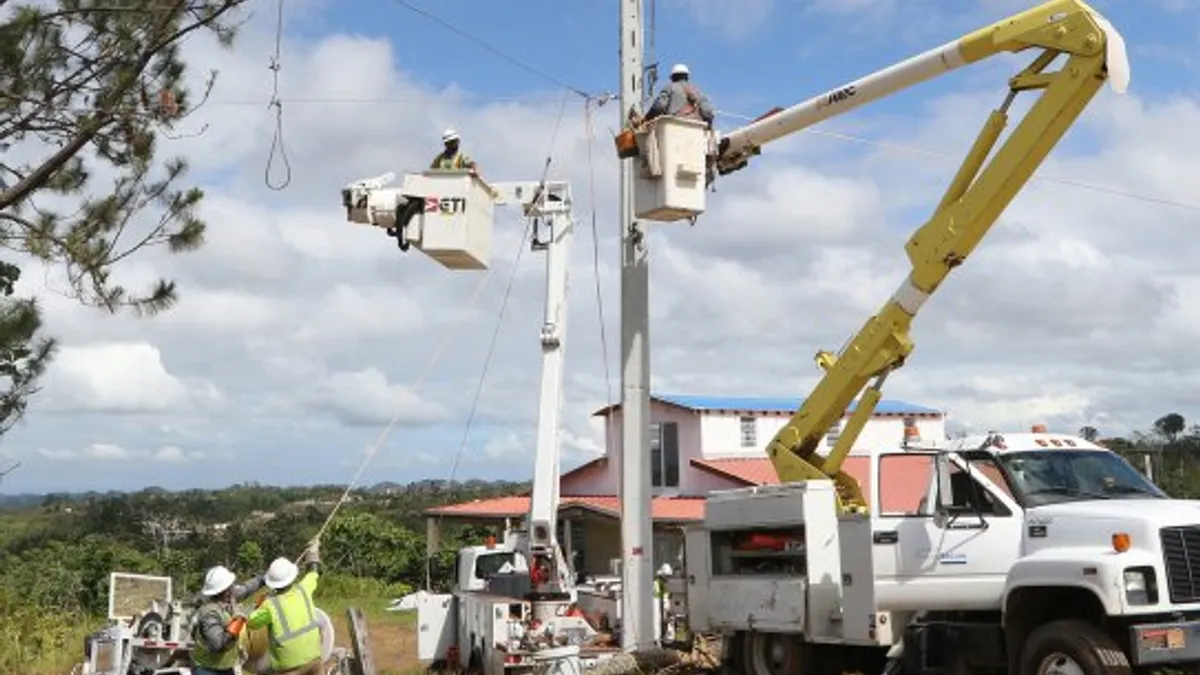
pixel 474 565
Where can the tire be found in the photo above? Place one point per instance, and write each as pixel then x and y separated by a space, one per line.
pixel 774 654
pixel 1072 647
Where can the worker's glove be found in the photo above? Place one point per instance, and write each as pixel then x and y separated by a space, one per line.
pixel 313 551
pixel 236 625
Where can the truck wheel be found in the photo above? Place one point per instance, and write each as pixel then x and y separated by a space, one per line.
pixel 775 654
pixel 1072 647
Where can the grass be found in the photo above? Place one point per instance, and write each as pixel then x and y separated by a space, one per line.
pixel 392 634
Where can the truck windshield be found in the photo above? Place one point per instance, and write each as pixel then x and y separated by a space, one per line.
pixel 1055 476
pixel 488 564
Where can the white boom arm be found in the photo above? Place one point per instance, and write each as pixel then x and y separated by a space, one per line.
pixel 549 207
pixel 738 146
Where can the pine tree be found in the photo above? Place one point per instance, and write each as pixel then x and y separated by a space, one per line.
pixel 87 87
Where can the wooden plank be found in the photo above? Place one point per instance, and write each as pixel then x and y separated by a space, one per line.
pixel 360 638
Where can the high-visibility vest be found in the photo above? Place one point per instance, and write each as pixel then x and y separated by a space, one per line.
pixel 458 161
pixel 295 635
pixel 222 660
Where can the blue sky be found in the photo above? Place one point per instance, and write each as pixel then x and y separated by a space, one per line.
pixel 777 53
pixel 297 331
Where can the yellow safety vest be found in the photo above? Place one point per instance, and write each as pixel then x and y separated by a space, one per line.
pixel 222 660
pixel 294 633
pixel 458 161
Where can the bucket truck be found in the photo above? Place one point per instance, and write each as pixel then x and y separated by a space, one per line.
pixel 1030 553
pixel 508 609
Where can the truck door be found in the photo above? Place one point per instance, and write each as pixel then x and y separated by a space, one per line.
pixel 902 489
pixel 966 529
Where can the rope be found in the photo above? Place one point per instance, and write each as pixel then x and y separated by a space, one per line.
pixel 277 105
pixel 373 449
pixel 487 359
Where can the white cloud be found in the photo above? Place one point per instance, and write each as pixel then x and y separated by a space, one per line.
pixel 109 452
pixel 117 377
pixel 366 397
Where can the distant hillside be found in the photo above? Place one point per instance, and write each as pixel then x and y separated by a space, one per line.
pixel 427 488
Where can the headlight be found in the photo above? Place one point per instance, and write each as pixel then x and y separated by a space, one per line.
pixel 1135 581
pixel 1140 587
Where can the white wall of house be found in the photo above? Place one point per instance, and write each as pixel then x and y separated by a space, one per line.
pixel 726 435
pixel 715 435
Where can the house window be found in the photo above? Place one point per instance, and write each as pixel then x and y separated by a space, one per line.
pixel 749 432
pixel 664 454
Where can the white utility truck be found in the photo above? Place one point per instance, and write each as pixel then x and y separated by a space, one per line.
pixel 1031 553
pixel 1027 552
pixel 508 611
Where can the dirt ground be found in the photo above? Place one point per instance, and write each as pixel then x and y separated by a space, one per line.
pixel 393 639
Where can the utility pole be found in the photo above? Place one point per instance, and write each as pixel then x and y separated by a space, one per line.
pixel 637 559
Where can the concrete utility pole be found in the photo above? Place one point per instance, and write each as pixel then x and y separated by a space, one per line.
pixel 637 559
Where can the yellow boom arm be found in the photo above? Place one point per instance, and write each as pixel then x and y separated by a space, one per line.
pixel 979 193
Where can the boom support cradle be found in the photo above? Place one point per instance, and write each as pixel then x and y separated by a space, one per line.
pixel 975 199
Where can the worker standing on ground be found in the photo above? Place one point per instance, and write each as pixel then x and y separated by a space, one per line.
pixel 219 622
pixel 681 98
pixel 290 615
pixel 663 596
pixel 452 158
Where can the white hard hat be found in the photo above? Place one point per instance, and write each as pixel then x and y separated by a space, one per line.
pixel 217 580
pixel 449 135
pixel 680 69
pixel 665 570
pixel 281 573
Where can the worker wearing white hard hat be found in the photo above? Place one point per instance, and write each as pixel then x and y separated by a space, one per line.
pixel 452 158
pixel 289 615
pixel 663 598
pixel 681 98
pixel 219 622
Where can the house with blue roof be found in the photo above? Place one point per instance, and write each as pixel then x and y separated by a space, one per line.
pixel 691 435
pixel 700 444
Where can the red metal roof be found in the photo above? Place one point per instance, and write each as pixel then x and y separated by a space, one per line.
pixel 662 508
pixel 906 479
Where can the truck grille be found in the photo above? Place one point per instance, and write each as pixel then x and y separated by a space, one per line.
pixel 1181 557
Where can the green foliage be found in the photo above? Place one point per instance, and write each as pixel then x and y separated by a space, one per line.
pixel 57 556
pixel 369 546
pixel 87 88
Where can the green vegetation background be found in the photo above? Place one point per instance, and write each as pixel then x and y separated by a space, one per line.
pixel 56 551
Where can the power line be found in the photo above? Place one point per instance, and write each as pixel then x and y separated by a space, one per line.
pixel 915 150
pixel 587 121
pixel 526 234
pixel 492 48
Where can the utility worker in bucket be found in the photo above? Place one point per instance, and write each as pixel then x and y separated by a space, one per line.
pixel 452 158
pixel 681 98
pixel 219 622
pixel 289 615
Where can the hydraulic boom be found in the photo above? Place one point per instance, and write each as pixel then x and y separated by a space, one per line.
pixel 1091 52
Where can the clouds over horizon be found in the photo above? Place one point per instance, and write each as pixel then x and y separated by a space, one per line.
pixel 298 335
